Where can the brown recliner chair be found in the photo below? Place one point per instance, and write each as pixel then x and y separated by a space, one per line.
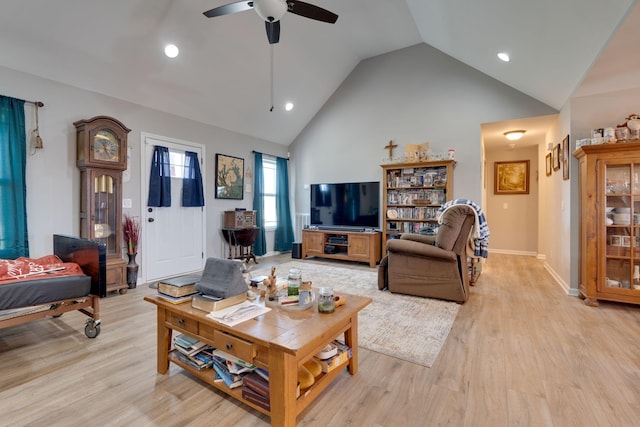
pixel 431 266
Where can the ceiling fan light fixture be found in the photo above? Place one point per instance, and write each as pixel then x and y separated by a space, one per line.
pixel 514 135
pixel 270 10
pixel 503 56
pixel 171 50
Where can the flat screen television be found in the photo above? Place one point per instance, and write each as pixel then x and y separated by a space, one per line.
pixel 350 205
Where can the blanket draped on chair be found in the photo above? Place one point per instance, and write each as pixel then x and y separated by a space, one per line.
pixel 480 229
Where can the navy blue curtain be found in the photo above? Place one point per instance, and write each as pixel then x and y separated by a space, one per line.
pixel 260 244
pixel 14 239
pixel 284 231
pixel 192 194
pixel 160 179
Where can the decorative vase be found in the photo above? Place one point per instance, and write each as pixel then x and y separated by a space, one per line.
pixel 132 271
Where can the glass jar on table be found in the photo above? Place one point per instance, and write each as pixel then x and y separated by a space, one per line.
pixel 294 280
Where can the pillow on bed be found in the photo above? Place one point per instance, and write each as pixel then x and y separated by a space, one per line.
pixel 33 268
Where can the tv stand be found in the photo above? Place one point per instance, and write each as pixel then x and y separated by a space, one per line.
pixel 340 228
pixel 360 246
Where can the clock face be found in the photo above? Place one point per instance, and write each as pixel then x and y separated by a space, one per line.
pixel 106 146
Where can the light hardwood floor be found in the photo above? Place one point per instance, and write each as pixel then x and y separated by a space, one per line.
pixel 521 353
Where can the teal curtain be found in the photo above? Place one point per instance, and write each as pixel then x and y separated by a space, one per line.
pixel 14 239
pixel 284 231
pixel 260 244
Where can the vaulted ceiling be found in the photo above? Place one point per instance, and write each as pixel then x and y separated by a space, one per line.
pixel 222 76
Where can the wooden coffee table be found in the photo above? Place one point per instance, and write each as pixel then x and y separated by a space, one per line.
pixel 279 341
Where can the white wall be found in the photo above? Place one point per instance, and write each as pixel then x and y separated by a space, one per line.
pixel 556 211
pixel 53 187
pixel 516 214
pixel 410 96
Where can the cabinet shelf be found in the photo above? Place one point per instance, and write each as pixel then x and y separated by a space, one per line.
pixel 429 187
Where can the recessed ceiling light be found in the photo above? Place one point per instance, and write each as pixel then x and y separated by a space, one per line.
pixel 288 106
pixel 504 56
pixel 171 50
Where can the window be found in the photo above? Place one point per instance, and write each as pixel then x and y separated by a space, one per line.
pixel 269 173
pixel 176 159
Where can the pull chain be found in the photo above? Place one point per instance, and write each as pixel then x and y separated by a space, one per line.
pixel 271 109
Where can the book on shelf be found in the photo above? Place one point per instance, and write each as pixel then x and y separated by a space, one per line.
pixel 187 341
pixel 236 368
pixel 257 384
pixel 263 373
pixel 192 350
pixel 221 354
pixel 210 303
pixel 174 300
pixel 179 286
pixel 231 380
pixel 344 354
pixel 256 398
pixel 197 361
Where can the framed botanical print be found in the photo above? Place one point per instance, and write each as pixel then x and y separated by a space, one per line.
pixel 229 177
pixel 556 157
pixel 511 177
pixel 565 158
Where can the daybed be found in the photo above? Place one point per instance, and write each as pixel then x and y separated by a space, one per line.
pixel 53 293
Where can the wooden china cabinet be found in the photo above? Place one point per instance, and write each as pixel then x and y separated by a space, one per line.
pixel 101 158
pixel 609 222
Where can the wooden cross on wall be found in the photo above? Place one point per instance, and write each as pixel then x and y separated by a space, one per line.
pixel 390 147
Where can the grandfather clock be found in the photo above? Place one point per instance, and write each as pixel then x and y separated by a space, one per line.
pixel 101 158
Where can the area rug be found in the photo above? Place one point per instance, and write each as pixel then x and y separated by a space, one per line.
pixel 401 326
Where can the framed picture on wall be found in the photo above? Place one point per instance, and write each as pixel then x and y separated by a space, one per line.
pixel 548 164
pixel 565 157
pixel 511 177
pixel 556 157
pixel 229 177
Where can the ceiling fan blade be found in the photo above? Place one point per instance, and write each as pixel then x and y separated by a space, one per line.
pixel 227 9
pixel 273 31
pixel 311 11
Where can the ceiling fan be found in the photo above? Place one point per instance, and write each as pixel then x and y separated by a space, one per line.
pixel 272 10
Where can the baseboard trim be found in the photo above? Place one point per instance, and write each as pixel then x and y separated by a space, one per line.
pixel 565 287
pixel 512 252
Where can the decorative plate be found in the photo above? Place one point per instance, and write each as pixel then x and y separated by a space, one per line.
pixel 296 307
pixel 392 214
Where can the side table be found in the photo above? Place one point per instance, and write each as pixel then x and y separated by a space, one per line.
pixel 240 242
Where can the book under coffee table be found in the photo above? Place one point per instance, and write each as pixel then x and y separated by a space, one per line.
pixel 279 341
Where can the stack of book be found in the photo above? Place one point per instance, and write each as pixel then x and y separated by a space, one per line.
pixel 255 389
pixel 193 352
pixel 178 289
pixel 332 359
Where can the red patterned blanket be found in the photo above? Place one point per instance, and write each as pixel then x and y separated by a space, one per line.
pixel 23 269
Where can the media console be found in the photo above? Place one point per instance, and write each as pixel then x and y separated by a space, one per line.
pixel 360 246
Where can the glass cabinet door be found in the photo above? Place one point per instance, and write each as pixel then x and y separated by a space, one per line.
pixel 622 223
pixel 104 211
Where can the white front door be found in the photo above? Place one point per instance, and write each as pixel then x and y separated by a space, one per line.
pixel 173 237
